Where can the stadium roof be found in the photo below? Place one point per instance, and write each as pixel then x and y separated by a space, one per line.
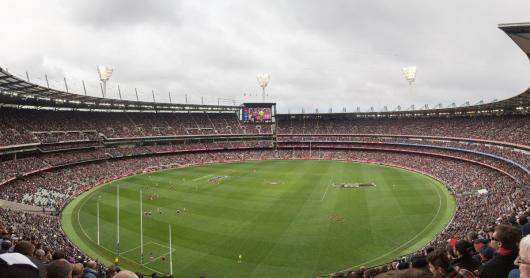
pixel 519 33
pixel 17 91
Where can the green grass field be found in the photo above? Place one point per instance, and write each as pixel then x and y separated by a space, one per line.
pixel 286 218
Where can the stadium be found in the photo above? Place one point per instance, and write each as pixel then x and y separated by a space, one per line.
pixel 195 190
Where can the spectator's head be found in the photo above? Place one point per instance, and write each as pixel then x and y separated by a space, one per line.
pixel 526 229
pixel 6 244
pixel 463 248
pixel 25 248
pixel 59 254
pixel 110 272
pixel 91 264
pixel 522 219
pixel 524 257
pixel 477 244
pixel 60 268
pixel 505 236
pixel 40 254
pixel 125 274
pixel 428 250
pixel 439 263
pixel 77 271
pixel 486 253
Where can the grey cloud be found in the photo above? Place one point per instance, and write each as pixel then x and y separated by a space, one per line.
pixel 103 14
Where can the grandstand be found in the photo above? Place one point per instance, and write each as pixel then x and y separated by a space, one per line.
pixel 55 145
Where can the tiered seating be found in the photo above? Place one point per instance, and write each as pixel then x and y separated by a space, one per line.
pixel 513 129
pixel 40 126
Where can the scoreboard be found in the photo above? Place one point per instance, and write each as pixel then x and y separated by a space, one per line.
pixel 257 112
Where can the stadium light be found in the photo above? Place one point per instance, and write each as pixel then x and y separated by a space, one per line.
pixel 263 80
pixel 410 74
pixel 104 73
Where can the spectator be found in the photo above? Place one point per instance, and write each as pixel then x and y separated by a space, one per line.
pixel 504 241
pixel 440 266
pixel 523 260
pixel 486 253
pixel 77 271
pixel 6 245
pixel 27 249
pixel 463 255
pixel 90 270
pixel 41 256
pixel 126 274
pixel 60 268
pixel 16 265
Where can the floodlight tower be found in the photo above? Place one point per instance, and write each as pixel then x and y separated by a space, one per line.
pixel 263 80
pixel 104 75
pixel 410 76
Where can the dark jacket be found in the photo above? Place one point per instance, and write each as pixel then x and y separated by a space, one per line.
pixel 499 266
pixel 466 262
pixel 42 267
pixel 17 270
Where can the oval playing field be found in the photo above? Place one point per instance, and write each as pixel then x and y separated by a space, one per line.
pixel 285 218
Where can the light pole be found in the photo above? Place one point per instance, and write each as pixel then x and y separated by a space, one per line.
pixel 104 75
pixel 263 80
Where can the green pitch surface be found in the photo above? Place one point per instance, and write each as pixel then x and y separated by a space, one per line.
pixel 285 218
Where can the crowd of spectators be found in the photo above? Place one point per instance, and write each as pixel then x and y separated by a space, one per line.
pixel 512 129
pixel 24 126
pixel 18 167
pixel 521 156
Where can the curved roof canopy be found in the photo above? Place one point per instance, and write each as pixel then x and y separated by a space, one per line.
pixel 520 34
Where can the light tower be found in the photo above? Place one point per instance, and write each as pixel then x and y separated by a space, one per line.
pixel 104 75
pixel 410 75
pixel 263 80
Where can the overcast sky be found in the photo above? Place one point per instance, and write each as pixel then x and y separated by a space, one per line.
pixel 320 54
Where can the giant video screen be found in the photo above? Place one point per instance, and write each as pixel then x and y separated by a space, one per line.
pixel 257 114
